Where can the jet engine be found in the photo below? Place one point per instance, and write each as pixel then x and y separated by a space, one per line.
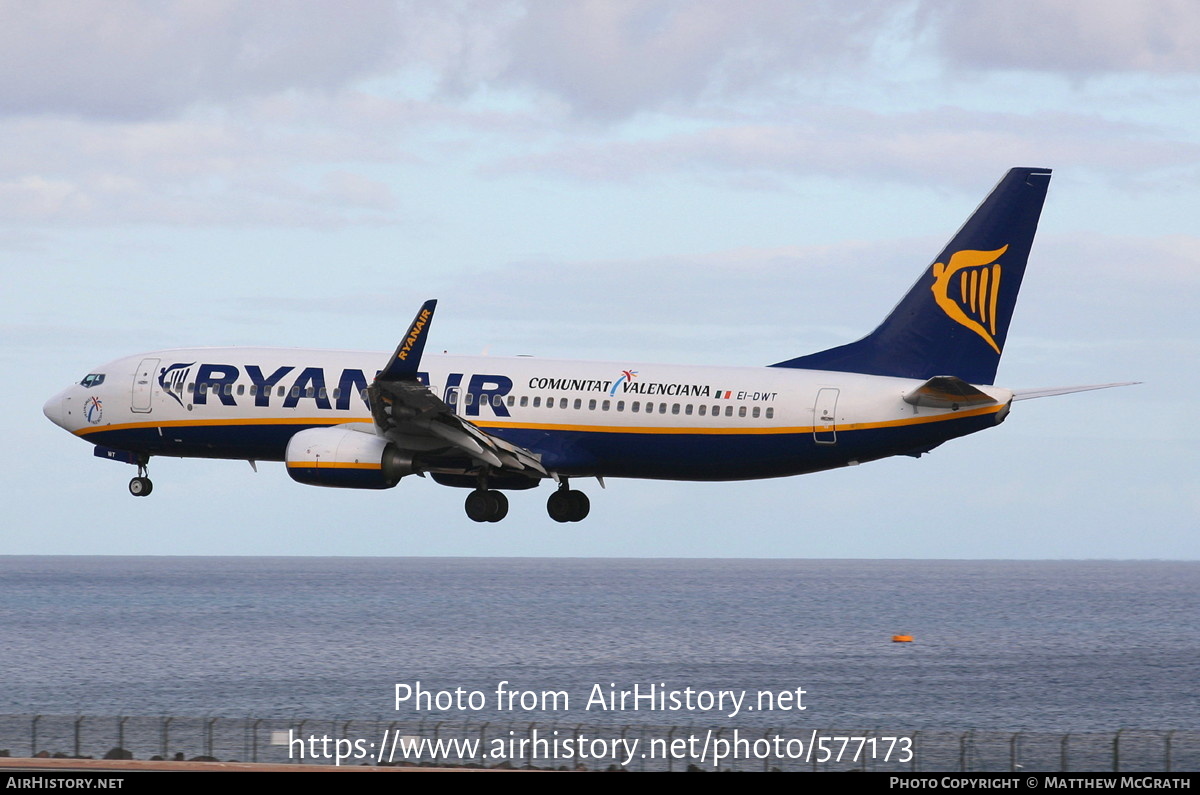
pixel 346 458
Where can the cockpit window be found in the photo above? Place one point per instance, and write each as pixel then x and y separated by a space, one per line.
pixel 92 379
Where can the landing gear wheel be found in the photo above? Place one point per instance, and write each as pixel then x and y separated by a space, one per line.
pixel 486 506
pixel 140 486
pixel 580 505
pixel 501 506
pixel 568 505
pixel 559 506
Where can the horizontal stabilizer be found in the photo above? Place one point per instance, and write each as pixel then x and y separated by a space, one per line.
pixel 1029 394
pixel 947 392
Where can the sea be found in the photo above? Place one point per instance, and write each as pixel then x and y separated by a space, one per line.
pixel 1048 646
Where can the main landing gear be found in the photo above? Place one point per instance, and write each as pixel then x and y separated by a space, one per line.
pixel 141 485
pixel 489 505
pixel 567 504
pixel 486 505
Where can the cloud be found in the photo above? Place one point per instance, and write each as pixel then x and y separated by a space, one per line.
pixel 608 59
pixel 189 171
pixel 941 145
pixel 1075 37
pixel 126 60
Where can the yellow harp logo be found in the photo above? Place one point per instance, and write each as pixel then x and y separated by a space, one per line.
pixel 968 290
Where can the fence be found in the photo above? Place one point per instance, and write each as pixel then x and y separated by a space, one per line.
pixel 594 746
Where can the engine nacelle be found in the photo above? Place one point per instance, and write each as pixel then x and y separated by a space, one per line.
pixel 346 458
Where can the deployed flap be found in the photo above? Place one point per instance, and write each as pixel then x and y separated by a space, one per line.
pixel 1029 394
pixel 407 413
pixel 947 392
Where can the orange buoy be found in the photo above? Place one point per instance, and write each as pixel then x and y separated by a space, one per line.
pixel 901 638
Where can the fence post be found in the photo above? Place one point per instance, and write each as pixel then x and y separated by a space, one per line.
pixel 254 740
pixel 78 725
pixel 166 736
pixel 33 735
pixel 208 737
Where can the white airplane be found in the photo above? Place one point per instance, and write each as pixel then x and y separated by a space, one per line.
pixel 493 424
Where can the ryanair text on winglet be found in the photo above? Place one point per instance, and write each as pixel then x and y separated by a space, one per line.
pixel 414 334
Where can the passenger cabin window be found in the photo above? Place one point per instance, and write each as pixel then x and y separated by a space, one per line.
pixel 537 401
pixel 770 412
pixel 524 401
pixel 754 412
pixel 741 411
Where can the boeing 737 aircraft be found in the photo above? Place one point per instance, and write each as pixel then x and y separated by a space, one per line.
pixel 360 420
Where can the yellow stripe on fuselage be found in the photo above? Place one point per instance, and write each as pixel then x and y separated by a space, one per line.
pixel 335 465
pixel 541 426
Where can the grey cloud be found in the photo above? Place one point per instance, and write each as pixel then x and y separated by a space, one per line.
pixel 609 59
pixel 1076 37
pixel 118 59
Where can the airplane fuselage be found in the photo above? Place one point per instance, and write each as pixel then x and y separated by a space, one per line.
pixel 582 418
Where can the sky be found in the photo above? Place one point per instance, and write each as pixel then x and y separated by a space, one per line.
pixel 654 181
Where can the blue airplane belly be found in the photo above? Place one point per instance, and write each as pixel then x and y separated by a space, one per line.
pixel 695 456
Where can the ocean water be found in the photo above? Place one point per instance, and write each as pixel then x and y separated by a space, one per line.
pixel 1065 646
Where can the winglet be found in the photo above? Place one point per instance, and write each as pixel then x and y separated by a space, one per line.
pixel 407 358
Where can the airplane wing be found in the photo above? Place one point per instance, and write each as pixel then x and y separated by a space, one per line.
pixel 411 416
pixel 1029 394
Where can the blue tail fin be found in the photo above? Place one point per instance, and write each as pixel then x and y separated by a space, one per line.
pixel 955 318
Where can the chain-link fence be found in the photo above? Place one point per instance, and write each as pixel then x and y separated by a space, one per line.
pixel 593 746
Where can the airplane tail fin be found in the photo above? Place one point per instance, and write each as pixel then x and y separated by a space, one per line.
pixel 954 320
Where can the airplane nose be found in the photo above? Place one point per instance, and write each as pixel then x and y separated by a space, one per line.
pixel 53 410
